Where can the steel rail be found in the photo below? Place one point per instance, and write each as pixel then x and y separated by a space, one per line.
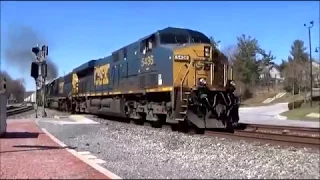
pixel 282 129
pixel 282 139
pixel 19 110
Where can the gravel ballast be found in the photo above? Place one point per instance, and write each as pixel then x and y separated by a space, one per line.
pixel 133 151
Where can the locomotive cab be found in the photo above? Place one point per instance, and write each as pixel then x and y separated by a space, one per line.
pixel 202 92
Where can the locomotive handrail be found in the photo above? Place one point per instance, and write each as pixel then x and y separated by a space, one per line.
pixel 184 77
pixel 174 82
pixel 178 75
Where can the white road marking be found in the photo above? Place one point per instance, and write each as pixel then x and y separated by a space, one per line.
pixel 77 122
pixel 96 166
pixel 84 152
pixel 99 161
pixel 89 156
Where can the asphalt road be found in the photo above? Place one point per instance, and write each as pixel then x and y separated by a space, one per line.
pixel 270 115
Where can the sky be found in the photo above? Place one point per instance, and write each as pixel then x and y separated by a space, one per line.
pixel 77 32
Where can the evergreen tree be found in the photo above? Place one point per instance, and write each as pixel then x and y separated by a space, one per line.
pixel 245 65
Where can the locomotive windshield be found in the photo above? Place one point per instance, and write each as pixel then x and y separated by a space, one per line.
pixel 199 38
pixel 173 39
pixel 181 36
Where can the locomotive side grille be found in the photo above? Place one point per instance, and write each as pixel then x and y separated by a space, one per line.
pixel 142 81
pixel 152 80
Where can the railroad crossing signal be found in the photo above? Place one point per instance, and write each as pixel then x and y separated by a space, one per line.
pixel 34 70
pixel 39 72
pixel 40 61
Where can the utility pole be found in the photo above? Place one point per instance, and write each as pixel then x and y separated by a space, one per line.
pixel 316 51
pixel 310 54
pixel 39 73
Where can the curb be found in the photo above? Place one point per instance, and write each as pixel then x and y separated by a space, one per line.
pixel 97 167
pixel 246 108
pixel 82 120
pixel 281 117
pixel 76 119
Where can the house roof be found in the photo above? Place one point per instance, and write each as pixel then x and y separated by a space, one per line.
pixel 266 69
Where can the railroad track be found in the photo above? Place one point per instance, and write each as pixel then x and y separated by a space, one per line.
pixel 270 134
pixel 275 135
pixel 17 110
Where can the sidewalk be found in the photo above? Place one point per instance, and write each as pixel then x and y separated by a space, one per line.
pixel 28 152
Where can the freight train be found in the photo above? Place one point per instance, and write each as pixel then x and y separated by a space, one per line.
pixel 174 76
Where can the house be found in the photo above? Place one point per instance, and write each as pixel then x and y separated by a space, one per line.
pixel 30 96
pixel 271 72
pixel 316 73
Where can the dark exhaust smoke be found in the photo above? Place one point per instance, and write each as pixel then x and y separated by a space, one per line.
pixel 15 87
pixel 17 52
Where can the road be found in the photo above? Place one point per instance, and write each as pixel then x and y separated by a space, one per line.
pixel 270 115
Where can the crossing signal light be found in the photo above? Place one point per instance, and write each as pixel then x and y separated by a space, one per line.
pixel 35 50
pixel 34 70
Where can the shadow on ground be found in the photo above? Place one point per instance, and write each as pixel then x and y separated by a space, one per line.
pixel 36 148
pixel 12 135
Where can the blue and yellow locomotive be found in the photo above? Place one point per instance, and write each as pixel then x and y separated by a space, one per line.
pixel 172 76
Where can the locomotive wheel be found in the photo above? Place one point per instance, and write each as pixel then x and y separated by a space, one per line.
pixel 156 124
pixel 200 131
pixel 159 123
pixel 175 127
pixel 138 121
pixel 230 127
pixel 184 126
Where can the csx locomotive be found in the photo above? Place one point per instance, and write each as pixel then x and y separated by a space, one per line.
pixel 173 76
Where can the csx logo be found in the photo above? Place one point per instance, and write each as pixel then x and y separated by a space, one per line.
pixel 75 83
pixel 147 61
pixel 101 75
pixel 61 84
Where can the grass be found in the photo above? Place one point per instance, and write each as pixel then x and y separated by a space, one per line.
pixel 288 98
pixel 300 113
pixel 257 100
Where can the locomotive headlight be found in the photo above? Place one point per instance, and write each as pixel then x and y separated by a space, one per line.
pixel 202 81
pixel 181 57
pixel 232 83
pixel 207 51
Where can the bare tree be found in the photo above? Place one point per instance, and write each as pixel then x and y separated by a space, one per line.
pixel 230 52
